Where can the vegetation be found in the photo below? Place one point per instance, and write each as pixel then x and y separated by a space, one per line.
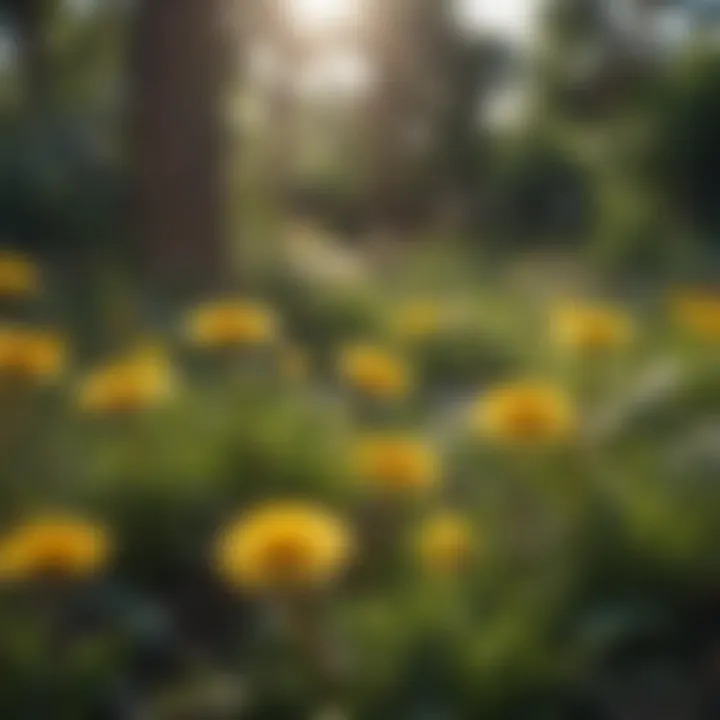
pixel 359 403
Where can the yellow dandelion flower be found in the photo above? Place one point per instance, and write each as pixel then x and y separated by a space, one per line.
pixel 228 323
pixel 31 353
pixel 590 328
pixel 19 275
pixel 283 545
pixel 418 319
pixel 374 370
pixel 525 412
pixel 57 545
pixel 445 542
pixel 397 462
pixel 698 312
pixel 140 381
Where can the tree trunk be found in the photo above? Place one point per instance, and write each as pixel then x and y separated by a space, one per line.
pixel 180 63
pixel 387 114
pixel 409 42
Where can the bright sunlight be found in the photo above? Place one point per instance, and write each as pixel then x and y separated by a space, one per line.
pixel 315 15
pixel 510 18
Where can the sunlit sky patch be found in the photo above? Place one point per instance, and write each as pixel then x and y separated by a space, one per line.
pixel 514 19
pixel 311 15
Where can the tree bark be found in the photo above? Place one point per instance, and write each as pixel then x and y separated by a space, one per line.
pixel 180 61
pixel 411 43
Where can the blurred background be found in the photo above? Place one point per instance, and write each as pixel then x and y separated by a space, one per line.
pixel 238 235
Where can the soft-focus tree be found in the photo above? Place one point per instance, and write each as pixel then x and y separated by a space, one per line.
pixel 179 69
pixel 29 23
pixel 683 148
pixel 59 165
pixel 593 56
pixel 597 66
pixel 432 82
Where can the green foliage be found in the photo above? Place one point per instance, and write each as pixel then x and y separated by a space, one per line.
pixel 581 549
pixel 628 511
pixel 545 194
pixel 683 156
